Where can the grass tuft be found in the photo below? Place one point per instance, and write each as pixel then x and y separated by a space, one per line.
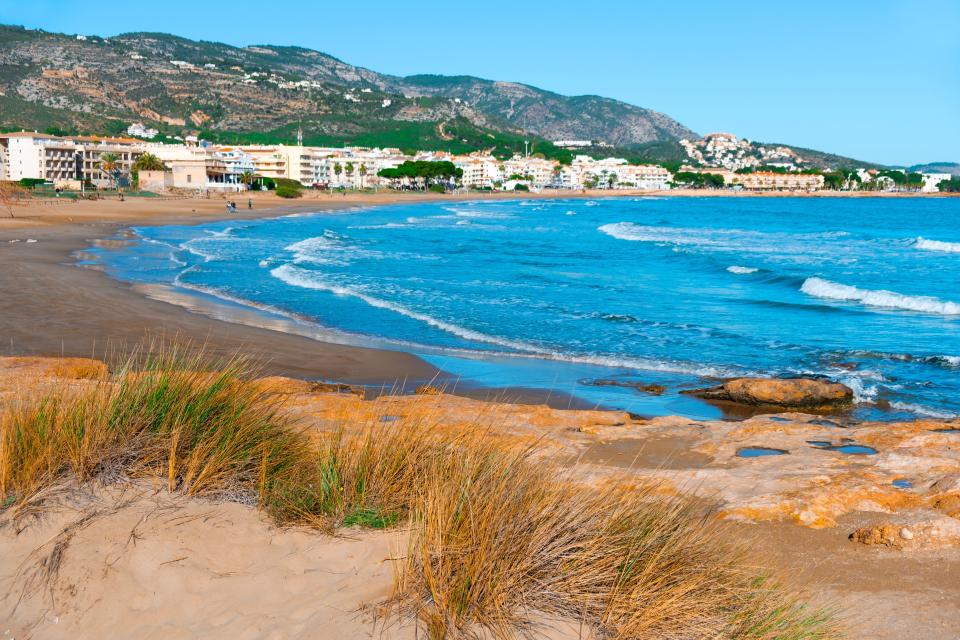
pixel 498 533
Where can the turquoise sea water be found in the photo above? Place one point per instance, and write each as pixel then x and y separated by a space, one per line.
pixel 555 294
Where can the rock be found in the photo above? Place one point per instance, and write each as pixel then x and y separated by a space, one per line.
pixel 336 387
pixel 946 484
pixel 642 387
pixel 885 534
pixel 427 390
pixel 793 393
pixel 280 385
pixel 925 533
pixel 948 504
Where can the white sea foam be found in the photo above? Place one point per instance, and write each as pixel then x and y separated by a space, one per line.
pixel 478 213
pixel 921 410
pixel 311 280
pixel 299 277
pixel 937 245
pixel 329 249
pixel 571 213
pixel 827 290
pixel 742 271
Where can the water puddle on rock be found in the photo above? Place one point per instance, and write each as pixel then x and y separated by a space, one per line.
pixel 759 452
pixel 902 483
pixel 853 449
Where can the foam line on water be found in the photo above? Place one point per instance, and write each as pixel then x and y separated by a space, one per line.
pixel 937 245
pixel 298 277
pixel 828 290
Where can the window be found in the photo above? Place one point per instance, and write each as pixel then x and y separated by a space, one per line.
pixel 189 178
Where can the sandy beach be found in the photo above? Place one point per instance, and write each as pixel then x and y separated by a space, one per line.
pixel 51 307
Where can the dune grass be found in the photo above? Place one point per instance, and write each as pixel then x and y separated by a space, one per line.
pixel 498 534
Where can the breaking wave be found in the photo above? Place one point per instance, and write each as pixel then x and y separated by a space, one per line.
pixel 306 279
pixel 827 290
pixel 742 271
pixel 937 245
pixel 921 410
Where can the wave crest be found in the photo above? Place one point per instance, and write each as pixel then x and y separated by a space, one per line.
pixel 827 290
pixel 937 245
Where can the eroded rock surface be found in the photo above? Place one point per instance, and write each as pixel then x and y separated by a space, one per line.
pixel 797 393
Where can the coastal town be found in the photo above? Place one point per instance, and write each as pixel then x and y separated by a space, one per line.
pixel 717 161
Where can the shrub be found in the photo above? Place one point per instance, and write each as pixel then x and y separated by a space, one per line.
pixel 437 188
pixel 288 192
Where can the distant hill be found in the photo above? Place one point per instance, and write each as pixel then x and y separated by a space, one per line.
pixel 263 93
pixel 937 167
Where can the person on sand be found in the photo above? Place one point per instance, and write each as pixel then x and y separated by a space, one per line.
pixel 249 203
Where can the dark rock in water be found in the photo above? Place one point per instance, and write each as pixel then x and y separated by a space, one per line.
pixel 790 393
pixel 642 387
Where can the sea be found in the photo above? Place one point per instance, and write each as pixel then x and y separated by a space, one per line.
pixel 559 295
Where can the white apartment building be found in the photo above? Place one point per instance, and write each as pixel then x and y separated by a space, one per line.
pixel 479 172
pixel 66 161
pixel 931 180
pixel 204 168
pixel 269 161
pixel 538 171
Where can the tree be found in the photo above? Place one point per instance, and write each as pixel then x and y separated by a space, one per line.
pixel 949 186
pixel 363 175
pixel 349 171
pixel 11 194
pixel 423 173
pixel 146 162
pixel 110 165
pixel 247 178
pixel 337 170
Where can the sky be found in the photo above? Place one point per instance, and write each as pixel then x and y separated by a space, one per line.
pixel 877 80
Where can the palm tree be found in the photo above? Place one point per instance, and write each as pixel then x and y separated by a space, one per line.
pixel 337 169
pixel 109 164
pixel 247 178
pixel 146 162
pixel 363 175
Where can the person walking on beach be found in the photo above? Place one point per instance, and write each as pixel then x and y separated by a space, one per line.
pixel 249 203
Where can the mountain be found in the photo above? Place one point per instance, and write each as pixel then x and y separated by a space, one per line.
pixel 937 167
pixel 263 93
pixel 552 115
pixel 85 82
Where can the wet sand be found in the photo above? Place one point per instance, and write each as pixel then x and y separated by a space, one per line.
pixel 51 307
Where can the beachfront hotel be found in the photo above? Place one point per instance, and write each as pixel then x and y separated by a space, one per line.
pixel 64 161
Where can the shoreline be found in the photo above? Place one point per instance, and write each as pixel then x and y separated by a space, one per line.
pixel 58 309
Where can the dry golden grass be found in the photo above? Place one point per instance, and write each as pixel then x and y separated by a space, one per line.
pixel 497 534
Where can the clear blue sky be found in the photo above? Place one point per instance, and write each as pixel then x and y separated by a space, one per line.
pixel 877 80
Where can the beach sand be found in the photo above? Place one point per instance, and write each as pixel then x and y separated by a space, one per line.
pixel 132 559
pixel 51 307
